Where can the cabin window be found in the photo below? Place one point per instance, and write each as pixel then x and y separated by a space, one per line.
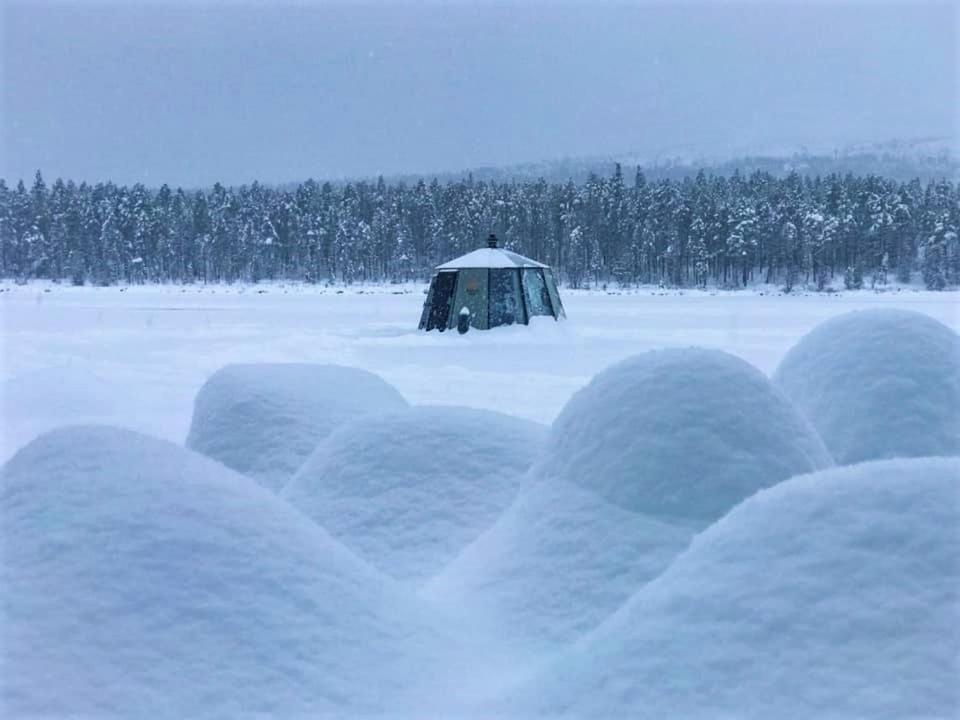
pixel 441 292
pixel 505 305
pixel 554 294
pixel 535 290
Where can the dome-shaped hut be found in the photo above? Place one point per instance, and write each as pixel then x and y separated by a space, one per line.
pixel 490 287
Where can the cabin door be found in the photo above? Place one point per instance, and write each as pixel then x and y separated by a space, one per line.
pixel 442 295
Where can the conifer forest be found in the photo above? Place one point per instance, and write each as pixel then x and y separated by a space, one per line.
pixel 699 231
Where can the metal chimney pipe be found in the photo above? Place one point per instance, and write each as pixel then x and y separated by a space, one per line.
pixel 492 241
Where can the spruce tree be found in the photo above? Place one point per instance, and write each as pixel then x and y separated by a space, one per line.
pixel 933 265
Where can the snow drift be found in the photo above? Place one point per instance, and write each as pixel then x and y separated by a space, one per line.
pixel 142 579
pixel 832 595
pixel 408 490
pixel 878 384
pixel 680 434
pixel 264 420
pixel 652 450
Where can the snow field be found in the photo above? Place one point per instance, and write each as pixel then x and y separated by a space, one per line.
pixel 408 490
pixel 878 384
pixel 659 555
pixel 831 595
pixel 142 579
pixel 147 350
pixel 264 420
pixel 651 451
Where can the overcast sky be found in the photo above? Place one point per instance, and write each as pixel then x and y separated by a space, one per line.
pixel 190 93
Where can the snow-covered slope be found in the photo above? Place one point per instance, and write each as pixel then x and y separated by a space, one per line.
pixel 832 595
pixel 264 420
pixel 878 384
pixel 680 434
pixel 408 490
pixel 143 580
pixel 652 450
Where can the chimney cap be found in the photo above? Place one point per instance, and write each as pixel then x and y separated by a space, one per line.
pixel 492 241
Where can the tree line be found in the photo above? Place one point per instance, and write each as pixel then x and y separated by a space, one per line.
pixel 727 231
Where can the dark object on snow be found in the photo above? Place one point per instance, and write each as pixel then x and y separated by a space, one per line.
pixel 495 286
pixel 463 321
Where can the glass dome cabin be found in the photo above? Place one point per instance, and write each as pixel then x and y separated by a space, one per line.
pixel 489 287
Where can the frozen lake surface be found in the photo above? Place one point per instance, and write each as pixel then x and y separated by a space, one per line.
pixel 135 357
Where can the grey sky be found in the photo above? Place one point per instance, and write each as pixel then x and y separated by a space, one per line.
pixel 189 93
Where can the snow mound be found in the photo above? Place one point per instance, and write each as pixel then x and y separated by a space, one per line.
pixel 832 595
pixel 556 564
pixel 878 384
pixel 140 578
pixel 264 420
pixel 408 490
pixel 680 433
pixel 649 452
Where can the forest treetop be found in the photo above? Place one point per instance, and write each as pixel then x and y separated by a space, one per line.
pixel 729 231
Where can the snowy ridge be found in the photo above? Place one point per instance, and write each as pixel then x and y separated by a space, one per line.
pixel 264 420
pixel 833 595
pixel 902 159
pixel 408 490
pixel 140 577
pixel 680 434
pixel 878 384
pixel 653 449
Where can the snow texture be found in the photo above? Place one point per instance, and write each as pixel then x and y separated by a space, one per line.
pixel 141 579
pixel 680 434
pixel 147 349
pixel 490 258
pixel 556 564
pixel 407 491
pixel 878 384
pixel 832 595
pixel 652 450
pixel 264 420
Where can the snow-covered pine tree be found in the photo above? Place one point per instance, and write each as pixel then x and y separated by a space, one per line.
pixel 933 264
pixel 698 251
pixel 853 277
pixel 6 229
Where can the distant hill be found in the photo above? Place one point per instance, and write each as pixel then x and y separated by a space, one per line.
pixel 926 158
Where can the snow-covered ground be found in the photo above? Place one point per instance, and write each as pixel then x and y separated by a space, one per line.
pixel 662 547
pixel 136 357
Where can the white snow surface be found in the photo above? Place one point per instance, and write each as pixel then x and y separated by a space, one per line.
pixel 141 579
pixel 408 490
pixel 490 258
pixel 556 564
pixel 651 450
pixel 831 595
pixel 878 384
pixel 146 350
pixel 264 420
pixel 224 600
pixel 680 434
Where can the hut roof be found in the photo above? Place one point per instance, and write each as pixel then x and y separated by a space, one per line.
pixel 490 258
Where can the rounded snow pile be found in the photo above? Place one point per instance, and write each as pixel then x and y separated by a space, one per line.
pixel 830 595
pixel 680 434
pixel 878 384
pixel 140 578
pixel 652 450
pixel 264 420
pixel 407 491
